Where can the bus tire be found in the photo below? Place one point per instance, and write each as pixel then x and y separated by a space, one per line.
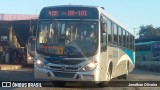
pixel 105 83
pixel 59 83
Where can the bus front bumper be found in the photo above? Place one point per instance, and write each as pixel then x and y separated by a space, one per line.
pixel 46 74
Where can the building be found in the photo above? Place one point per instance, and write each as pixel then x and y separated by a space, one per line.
pixel 16 28
pixel 14 17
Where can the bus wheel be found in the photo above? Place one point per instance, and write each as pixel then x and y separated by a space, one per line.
pixel 59 83
pixel 108 78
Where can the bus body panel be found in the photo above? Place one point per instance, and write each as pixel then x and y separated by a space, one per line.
pixel 120 58
pixel 119 67
pixel 72 75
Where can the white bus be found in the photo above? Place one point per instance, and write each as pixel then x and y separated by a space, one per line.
pixel 31 50
pixel 81 43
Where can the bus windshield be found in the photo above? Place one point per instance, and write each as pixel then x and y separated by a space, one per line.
pixel 67 38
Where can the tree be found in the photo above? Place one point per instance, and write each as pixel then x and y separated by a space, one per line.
pixel 148 31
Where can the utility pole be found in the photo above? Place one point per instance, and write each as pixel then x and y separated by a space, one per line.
pixel 135 31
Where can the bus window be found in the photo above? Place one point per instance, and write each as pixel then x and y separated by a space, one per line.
pixel 127 40
pixel 124 38
pixel 103 36
pixel 44 34
pixel 115 35
pixel 109 32
pixel 112 32
pixel 133 45
pixel 70 35
pixel 120 36
pixel 131 41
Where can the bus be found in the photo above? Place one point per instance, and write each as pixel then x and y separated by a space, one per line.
pixel 81 43
pixel 31 49
pixel 148 51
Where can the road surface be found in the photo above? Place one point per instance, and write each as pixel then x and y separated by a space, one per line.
pixel 26 74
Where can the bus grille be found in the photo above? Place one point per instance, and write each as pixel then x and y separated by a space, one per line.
pixel 58 68
pixel 65 62
pixel 55 67
pixel 64 75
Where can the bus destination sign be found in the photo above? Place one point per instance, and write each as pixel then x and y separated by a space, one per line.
pixel 69 13
pixel 80 13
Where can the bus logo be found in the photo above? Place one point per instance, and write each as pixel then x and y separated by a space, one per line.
pixel 63 68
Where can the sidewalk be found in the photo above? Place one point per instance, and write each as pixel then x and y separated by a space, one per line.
pixel 9 67
pixel 14 66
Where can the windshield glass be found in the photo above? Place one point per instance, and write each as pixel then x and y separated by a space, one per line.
pixel 67 38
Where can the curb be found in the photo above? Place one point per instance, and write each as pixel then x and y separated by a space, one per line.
pixel 10 67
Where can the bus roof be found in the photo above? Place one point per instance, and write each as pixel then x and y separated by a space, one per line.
pixel 72 6
pixel 98 7
pixel 114 20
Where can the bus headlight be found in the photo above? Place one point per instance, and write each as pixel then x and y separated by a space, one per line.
pixel 90 66
pixel 40 64
pixel 29 58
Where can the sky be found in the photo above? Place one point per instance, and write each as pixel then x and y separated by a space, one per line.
pixel 131 13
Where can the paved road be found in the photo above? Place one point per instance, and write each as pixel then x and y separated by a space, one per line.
pixel 26 74
pixel 17 75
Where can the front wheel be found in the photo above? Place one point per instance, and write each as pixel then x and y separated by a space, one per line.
pixel 59 83
pixel 108 78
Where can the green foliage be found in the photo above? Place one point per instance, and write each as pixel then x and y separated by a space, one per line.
pixel 147 32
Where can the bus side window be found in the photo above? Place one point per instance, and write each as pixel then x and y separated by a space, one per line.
pixel 124 38
pixel 127 40
pixel 131 41
pixel 109 31
pixel 115 35
pixel 120 36
pixel 133 47
pixel 103 36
